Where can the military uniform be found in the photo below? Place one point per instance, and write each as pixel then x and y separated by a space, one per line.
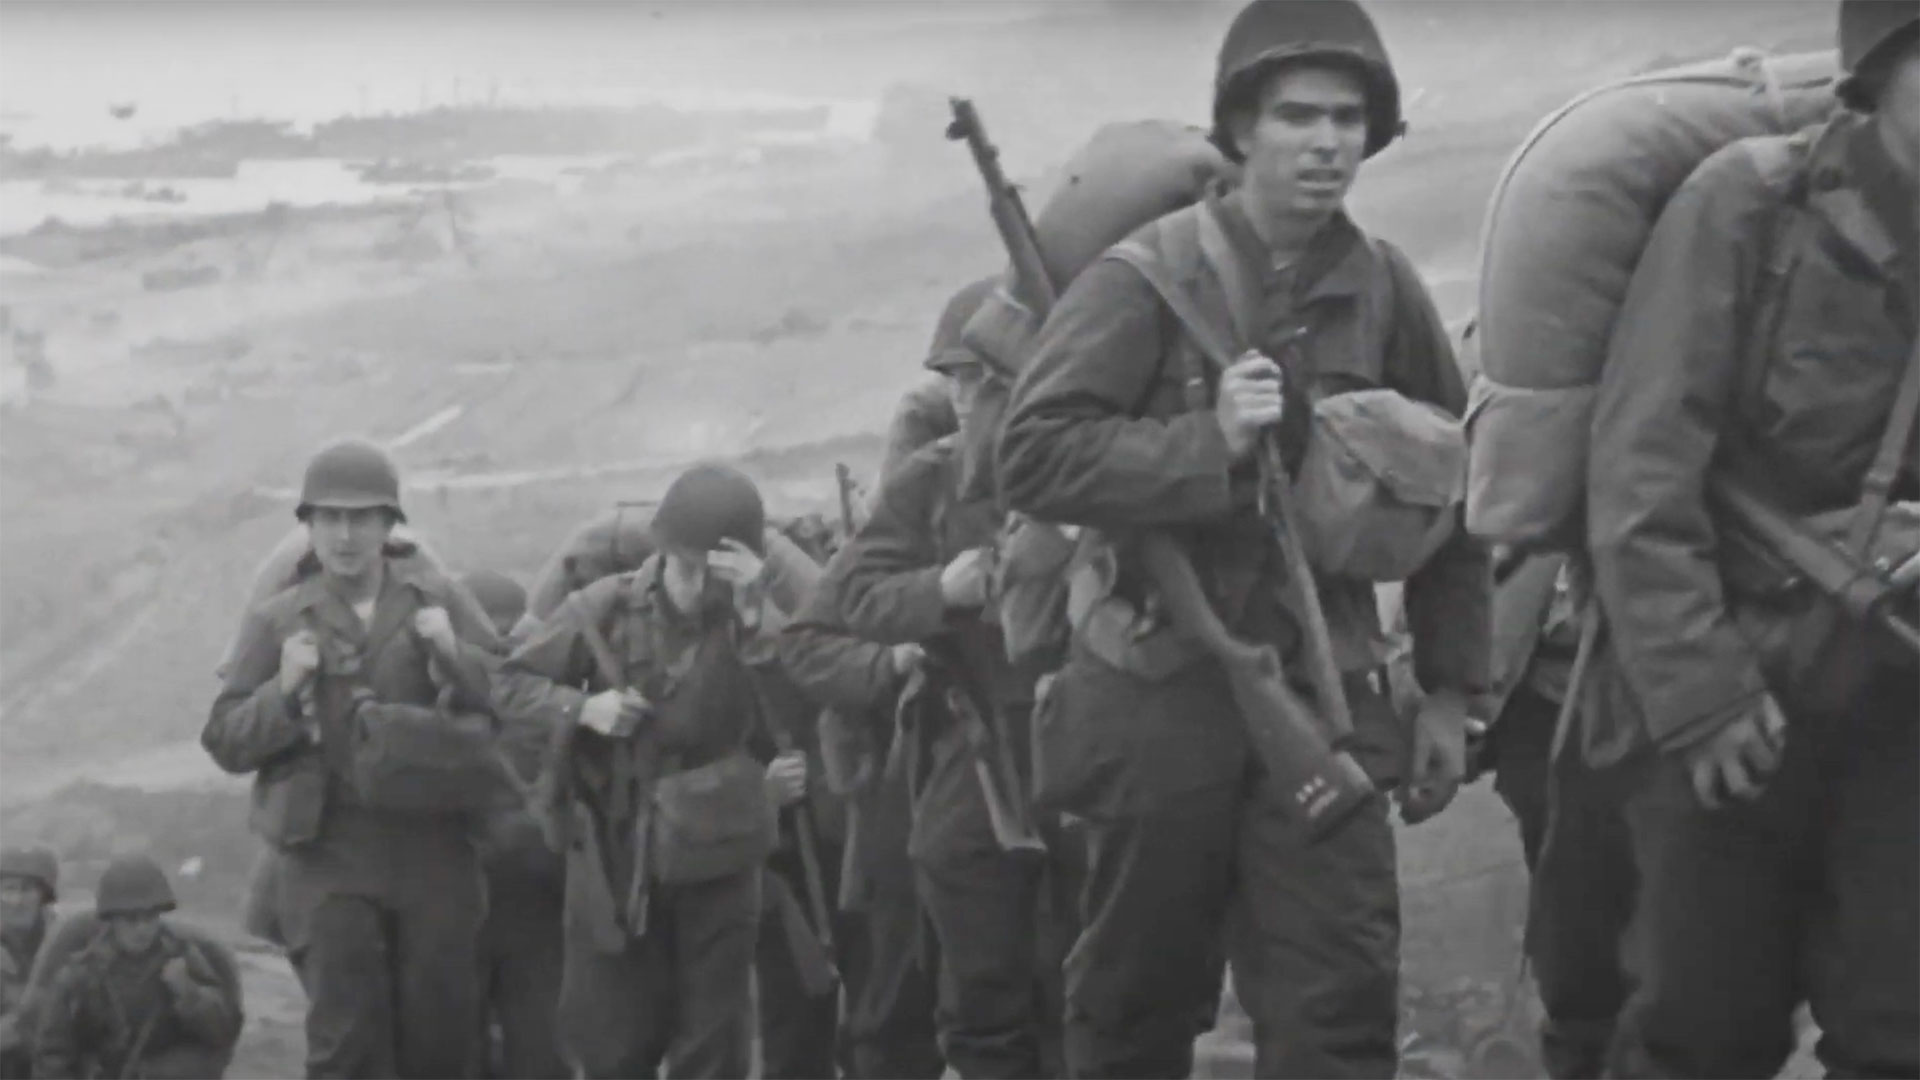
pixel 889 958
pixel 1569 799
pixel 674 983
pixel 380 910
pixel 110 1014
pixel 1002 919
pixel 17 952
pixel 520 942
pixel 1813 888
pixel 1100 434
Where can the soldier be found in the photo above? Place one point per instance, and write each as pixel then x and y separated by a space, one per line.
pixel 381 908
pixel 140 999
pixel 891 957
pixel 520 954
pixel 1105 430
pixel 666 817
pixel 1768 339
pixel 1567 797
pixel 917 573
pixel 29 884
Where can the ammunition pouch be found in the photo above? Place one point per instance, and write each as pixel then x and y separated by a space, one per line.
pixel 712 821
pixel 424 760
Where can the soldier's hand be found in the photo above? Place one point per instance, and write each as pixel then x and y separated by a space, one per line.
pixel 1439 757
pixel 175 975
pixel 436 628
pixel 1250 399
pixel 299 659
pixel 787 778
pixel 610 710
pixel 735 563
pixel 963 584
pixel 1738 760
pixel 1907 574
pixel 905 657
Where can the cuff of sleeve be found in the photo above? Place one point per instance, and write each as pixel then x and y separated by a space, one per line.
pixel 1214 460
pixel 925 607
pixel 1678 739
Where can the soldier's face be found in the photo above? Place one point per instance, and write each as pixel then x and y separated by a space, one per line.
pixel 966 383
pixel 1305 138
pixel 21 902
pixel 1898 110
pixel 347 541
pixel 136 933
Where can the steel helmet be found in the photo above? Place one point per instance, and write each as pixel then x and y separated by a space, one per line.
pixel 1871 33
pixel 501 597
pixel 132 885
pixel 35 864
pixel 708 503
pixel 350 475
pixel 946 349
pixel 1268 33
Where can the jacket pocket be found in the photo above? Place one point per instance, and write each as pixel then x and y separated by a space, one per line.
pixel 289 800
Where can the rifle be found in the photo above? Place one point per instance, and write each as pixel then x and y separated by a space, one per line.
pixel 993 767
pixel 1858 588
pixel 812 947
pixel 1323 783
pixel 1032 285
pixel 843 477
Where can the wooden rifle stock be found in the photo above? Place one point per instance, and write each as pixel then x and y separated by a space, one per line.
pixel 1322 784
pixel 812 947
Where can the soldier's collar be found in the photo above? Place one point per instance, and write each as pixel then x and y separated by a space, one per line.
pixel 1846 195
pixel 1334 263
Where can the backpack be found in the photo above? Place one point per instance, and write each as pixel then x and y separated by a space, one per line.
pixel 1564 230
pixel 615 541
pixel 1128 175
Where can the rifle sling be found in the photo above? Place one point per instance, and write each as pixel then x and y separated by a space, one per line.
pixel 1329 689
pixel 1885 470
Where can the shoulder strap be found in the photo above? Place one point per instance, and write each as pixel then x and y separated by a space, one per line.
pixel 604 659
pixel 1885 469
pixel 1782 163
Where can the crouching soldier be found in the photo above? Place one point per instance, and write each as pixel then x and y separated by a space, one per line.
pixel 140 999
pixel 664 816
pixel 29 883
pixel 520 956
pixel 354 697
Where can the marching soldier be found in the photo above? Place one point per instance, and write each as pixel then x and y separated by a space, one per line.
pixel 665 816
pixel 1108 430
pixel 380 907
pixel 1767 341
pixel 520 954
pixel 996 887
